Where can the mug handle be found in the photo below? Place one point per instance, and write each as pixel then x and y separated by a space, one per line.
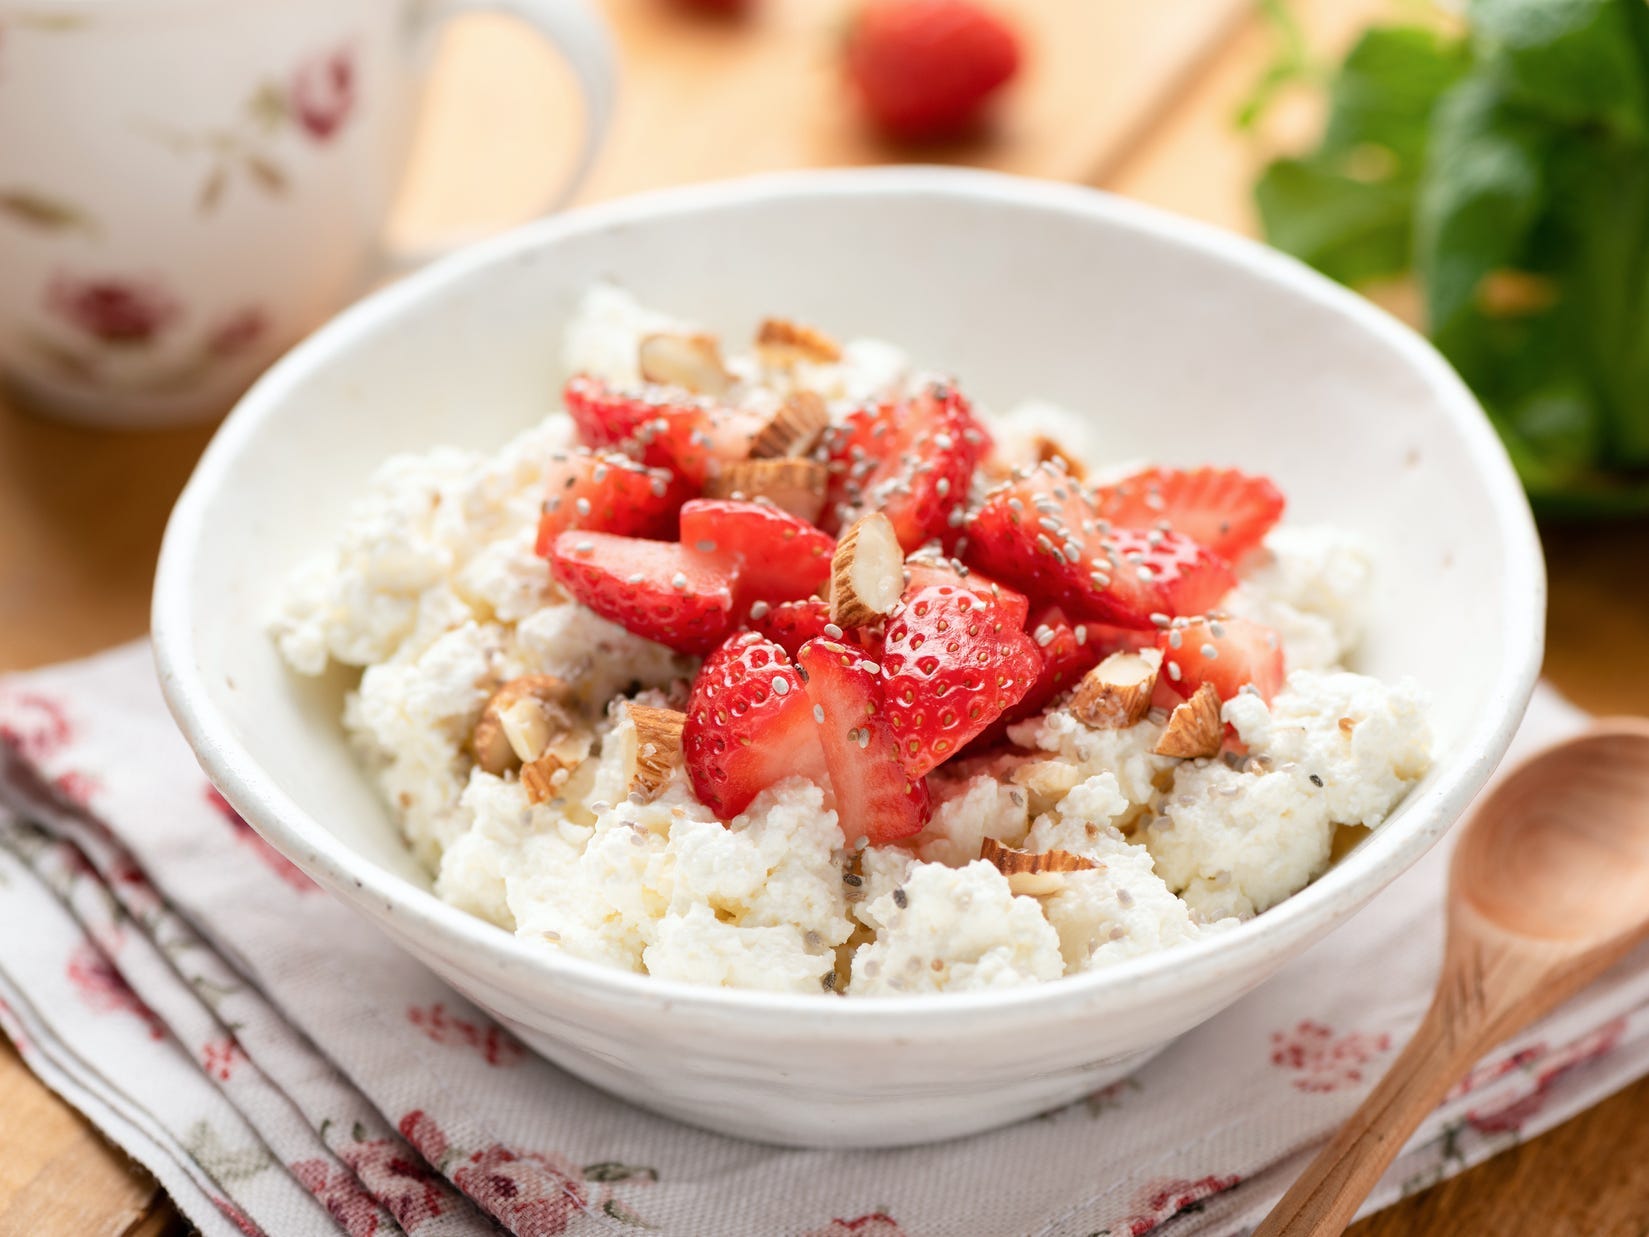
pixel 574 29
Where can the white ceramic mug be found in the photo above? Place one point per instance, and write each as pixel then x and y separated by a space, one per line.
pixel 188 186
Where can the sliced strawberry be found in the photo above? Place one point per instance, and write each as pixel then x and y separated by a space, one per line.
pixel 1108 639
pixel 1230 653
pixel 608 493
pixel 925 569
pixel 954 664
pixel 876 797
pixel 1040 532
pixel 664 427
pixel 778 556
pixel 656 589
pixel 604 417
pixel 749 724
pixel 1221 509
pixel 911 459
pixel 1160 573
pixel 1067 651
pixel 791 624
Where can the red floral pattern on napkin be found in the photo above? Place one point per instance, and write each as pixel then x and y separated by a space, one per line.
pixel 271 858
pixel 495 1045
pixel 875 1224
pixel 1549 1068
pixel 341 1195
pixel 104 990
pixel 402 1182
pixel 1324 1060
pixel 1165 1199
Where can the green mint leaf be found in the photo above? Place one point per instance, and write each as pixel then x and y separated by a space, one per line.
pixel 1577 61
pixel 1385 92
pixel 1482 193
pixel 1349 229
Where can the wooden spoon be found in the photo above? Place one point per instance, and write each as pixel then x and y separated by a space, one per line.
pixel 1548 886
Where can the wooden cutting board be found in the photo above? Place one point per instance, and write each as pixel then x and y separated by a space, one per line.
pixel 704 99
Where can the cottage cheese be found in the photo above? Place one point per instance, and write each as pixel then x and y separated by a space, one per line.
pixel 433 591
pixel 1333 749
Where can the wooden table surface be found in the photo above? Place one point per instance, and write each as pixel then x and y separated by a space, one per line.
pixel 1136 97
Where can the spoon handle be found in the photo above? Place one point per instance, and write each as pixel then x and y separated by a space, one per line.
pixel 1326 1196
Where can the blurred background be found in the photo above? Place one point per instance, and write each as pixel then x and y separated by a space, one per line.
pixel 1480 169
pixel 1208 108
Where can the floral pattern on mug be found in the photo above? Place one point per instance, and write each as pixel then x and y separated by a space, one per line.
pixel 35 208
pixel 120 311
pixel 315 100
pixel 112 318
pixel 238 331
pixel 322 93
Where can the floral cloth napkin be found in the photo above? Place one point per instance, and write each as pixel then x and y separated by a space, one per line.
pixel 283 1069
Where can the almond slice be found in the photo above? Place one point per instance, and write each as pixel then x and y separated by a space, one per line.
pixel 1049 451
pixel 543 778
pixel 658 747
pixel 691 361
pixel 516 721
pixel 793 429
pixel 798 486
pixel 1032 872
pixel 1194 727
pixel 867 573
pixel 1117 693
pixel 781 343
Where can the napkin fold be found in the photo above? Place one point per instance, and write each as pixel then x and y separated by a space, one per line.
pixel 281 1068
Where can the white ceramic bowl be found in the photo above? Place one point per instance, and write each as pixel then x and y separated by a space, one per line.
pixel 1192 345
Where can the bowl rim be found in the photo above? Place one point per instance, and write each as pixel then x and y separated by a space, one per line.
pixel 453 933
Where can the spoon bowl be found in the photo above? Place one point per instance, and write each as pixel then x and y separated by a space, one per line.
pixel 1548 886
pixel 1559 849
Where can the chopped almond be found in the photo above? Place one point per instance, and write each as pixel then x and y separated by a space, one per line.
pixel 691 361
pixel 1049 451
pixel 544 777
pixel 867 573
pixel 516 723
pixel 1194 727
pixel 1032 872
pixel 793 429
pixel 798 486
pixel 658 747
pixel 1117 693
pixel 781 343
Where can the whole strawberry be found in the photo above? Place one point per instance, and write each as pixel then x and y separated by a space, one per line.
pixel 925 68
pixel 717 8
